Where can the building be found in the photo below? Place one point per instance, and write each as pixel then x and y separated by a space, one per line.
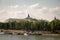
pixel 28 18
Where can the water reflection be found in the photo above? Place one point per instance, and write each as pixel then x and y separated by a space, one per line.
pixel 29 37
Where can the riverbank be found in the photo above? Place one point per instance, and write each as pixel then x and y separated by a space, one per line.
pixel 21 32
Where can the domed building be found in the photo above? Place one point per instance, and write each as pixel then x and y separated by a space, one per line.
pixel 28 18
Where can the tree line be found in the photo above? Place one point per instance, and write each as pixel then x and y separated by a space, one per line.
pixel 39 25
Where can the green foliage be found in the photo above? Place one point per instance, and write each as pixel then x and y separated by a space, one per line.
pixel 55 25
pixel 42 25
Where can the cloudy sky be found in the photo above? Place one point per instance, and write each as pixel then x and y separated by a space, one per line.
pixel 39 9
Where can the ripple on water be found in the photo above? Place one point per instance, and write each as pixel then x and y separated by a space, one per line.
pixel 29 37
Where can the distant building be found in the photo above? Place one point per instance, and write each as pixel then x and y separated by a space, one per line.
pixel 28 18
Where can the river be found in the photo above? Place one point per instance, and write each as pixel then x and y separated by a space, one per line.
pixel 29 37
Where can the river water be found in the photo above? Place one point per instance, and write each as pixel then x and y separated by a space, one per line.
pixel 29 37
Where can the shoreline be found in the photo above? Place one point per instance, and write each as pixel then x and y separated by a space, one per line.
pixel 21 32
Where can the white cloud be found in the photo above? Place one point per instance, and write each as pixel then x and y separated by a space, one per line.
pixel 36 6
pixel 36 11
pixel 45 12
pixel 15 6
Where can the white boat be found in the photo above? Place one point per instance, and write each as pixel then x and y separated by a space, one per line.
pixel 25 34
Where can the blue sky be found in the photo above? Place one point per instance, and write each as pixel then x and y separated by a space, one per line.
pixel 39 9
pixel 50 3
